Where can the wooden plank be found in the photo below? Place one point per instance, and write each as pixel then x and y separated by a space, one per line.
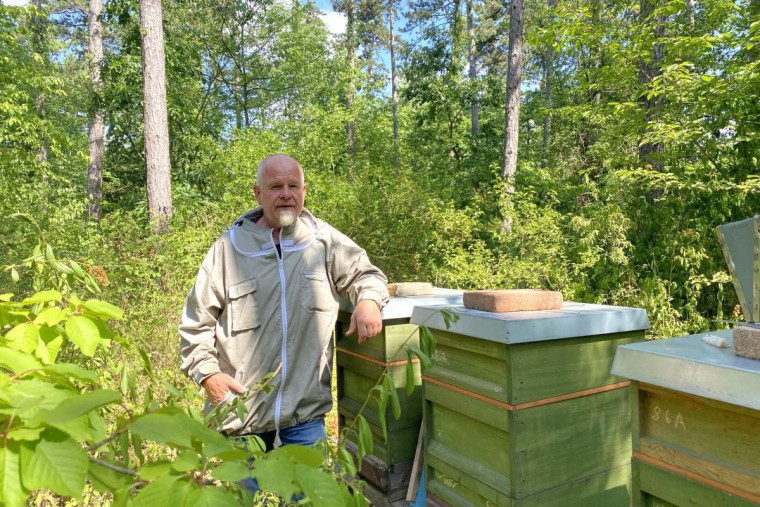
pixel 391 480
pixel 709 430
pixel 474 364
pixel 464 441
pixel 567 441
pixel 608 489
pixel 486 413
pixel 414 480
pixel 555 367
pixel 659 486
pixel 701 470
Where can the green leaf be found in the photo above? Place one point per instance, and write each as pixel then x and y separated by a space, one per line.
pixel 429 343
pixel 153 471
pixel 163 428
pixel 14 275
pixel 166 491
pixel 276 475
pixel 57 462
pixel 24 337
pixel 51 316
pixel 424 359
pixel 230 471
pixel 103 309
pixel 4 298
pixel 83 332
pixel 365 434
pixel 211 497
pixel 17 362
pixel 12 492
pixel 77 406
pixel 305 455
pixel 25 434
pixel 395 403
pixel 410 382
pixel 44 296
pixel 320 487
pixel 347 461
pixel 49 253
pixel 69 370
pixel 49 345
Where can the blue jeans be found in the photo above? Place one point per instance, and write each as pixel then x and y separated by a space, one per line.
pixel 303 434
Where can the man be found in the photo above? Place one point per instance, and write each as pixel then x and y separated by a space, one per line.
pixel 266 300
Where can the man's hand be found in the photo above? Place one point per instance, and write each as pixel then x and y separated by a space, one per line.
pixel 218 385
pixel 366 320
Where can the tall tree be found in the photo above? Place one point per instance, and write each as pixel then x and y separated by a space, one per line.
pixel 157 162
pixel 472 71
pixel 97 115
pixel 650 152
pixel 512 106
pixel 394 88
pixel 41 46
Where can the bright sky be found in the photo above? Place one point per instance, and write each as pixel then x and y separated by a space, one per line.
pixel 14 2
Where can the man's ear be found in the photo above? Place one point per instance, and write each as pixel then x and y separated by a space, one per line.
pixel 256 192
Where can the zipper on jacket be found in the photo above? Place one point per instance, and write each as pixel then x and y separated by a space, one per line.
pixel 284 349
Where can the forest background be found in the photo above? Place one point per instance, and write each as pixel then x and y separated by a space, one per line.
pixel 638 127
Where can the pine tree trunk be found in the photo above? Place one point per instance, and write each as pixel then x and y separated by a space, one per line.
pixel 40 46
pixel 157 163
pixel 651 154
pixel 512 107
pixel 351 57
pixel 394 89
pixel 548 76
pixel 472 71
pixel 97 121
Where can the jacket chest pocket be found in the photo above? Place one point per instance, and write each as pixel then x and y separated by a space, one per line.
pixel 316 294
pixel 243 308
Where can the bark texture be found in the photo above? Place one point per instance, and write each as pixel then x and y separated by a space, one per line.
pixel 157 163
pixel 97 120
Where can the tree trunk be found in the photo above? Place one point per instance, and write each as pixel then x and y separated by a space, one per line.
pixel 97 121
pixel 351 57
pixel 394 90
pixel 512 107
pixel 157 164
pixel 40 46
pixel 473 70
pixel 650 154
pixel 548 76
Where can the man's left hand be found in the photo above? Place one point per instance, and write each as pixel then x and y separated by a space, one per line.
pixel 366 320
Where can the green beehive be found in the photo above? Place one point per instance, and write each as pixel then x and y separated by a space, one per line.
pixel 358 369
pixel 696 435
pixel 521 409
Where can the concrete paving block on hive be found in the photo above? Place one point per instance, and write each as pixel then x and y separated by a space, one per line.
pixel 512 300
pixel 747 342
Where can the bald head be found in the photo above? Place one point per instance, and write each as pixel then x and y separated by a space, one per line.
pixel 277 160
pixel 280 190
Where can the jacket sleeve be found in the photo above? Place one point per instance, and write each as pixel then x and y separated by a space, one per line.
pixel 197 328
pixel 354 276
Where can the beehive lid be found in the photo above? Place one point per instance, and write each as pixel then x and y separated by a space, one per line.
pixel 401 307
pixel 688 364
pixel 741 246
pixel 573 319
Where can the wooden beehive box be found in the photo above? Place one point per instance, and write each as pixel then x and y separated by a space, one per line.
pixel 696 414
pixel 521 408
pixel 358 369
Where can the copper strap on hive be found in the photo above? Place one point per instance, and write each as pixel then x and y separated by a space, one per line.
pixel 696 477
pixel 530 404
pixel 375 361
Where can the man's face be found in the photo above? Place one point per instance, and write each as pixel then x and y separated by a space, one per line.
pixel 280 192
